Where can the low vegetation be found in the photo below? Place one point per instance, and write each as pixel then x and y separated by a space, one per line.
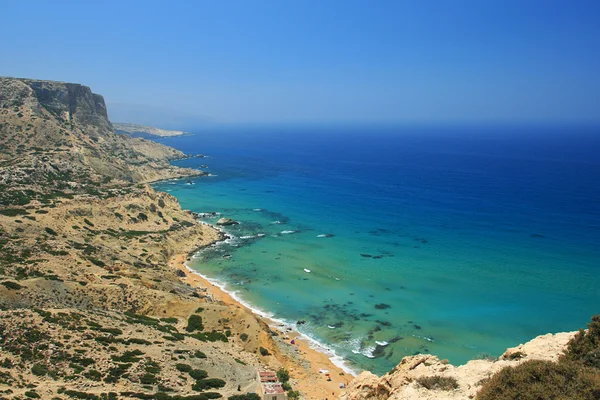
pixel 575 376
pixel 437 382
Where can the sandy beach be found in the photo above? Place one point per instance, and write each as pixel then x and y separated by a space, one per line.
pixel 305 364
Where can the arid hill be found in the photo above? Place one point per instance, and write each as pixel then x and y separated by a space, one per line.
pixel 90 306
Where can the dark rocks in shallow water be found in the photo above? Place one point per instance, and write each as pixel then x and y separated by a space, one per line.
pixel 376 329
pixel 377 257
pixel 382 306
pixel 384 323
pixel 366 255
pixel 300 322
pixel 395 339
pixel 181 273
pixel 421 240
pixel 379 351
pixel 226 222
pixel 417 327
pixel 365 315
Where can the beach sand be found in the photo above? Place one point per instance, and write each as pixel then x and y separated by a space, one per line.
pixel 304 363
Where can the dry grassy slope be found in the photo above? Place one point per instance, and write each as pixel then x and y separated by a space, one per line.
pixel 102 352
pixel 81 247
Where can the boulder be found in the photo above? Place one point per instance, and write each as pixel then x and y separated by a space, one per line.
pixel 226 221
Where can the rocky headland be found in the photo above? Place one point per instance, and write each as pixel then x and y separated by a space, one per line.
pixel 134 129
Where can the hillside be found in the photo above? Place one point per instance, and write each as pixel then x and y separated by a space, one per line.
pixel 90 304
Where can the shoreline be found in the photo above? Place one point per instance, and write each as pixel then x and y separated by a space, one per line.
pixel 304 362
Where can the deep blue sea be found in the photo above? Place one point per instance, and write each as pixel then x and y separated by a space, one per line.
pixel 458 242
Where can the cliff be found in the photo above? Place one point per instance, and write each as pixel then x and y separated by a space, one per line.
pixel 60 131
pixel 90 305
pixel 402 383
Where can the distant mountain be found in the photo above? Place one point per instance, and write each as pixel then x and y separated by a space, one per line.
pixel 56 134
pixel 143 130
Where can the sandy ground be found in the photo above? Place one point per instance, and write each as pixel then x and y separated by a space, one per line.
pixel 303 362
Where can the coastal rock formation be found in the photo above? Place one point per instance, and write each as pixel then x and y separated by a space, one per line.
pixel 142 130
pixel 402 382
pixel 226 221
pixel 69 125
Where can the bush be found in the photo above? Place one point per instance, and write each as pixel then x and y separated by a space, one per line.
pixel 247 396
pixel 208 384
pixel 194 323
pixel 437 382
pixel 283 375
pixel 264 352
pixel 39 369
pixel 198 374
pixel 293 394
pixel 517 355
pixel 537 379
pixel 244 337
pixel 199 354
pixel 585 346
pixel 11 285
pixel 183 367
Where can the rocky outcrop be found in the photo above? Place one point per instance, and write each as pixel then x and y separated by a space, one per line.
pixel 401 383
pixel 226 221
pixel 67 124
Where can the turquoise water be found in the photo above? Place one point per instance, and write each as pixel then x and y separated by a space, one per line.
pixel 452 242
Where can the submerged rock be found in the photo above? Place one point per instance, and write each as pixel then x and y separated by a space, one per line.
pixel 227 221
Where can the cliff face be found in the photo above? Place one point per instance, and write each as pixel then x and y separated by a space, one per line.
pixel 54 130
pixel 74 103
pixel 402 382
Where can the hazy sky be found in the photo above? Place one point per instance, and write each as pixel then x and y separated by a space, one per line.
pixel 259 61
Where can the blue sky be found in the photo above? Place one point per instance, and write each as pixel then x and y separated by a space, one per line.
pixel 259 61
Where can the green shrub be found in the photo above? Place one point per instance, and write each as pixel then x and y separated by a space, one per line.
pixel 39 369
pixel 11 285
pixel 32 395
pixel 538 379
pixel 264 352
pixel 51 231
pixel 148 379
pixel 198 374
pixel 585 346
pixel 244 337
pixel 517 355
pixel 93 375
pixel 199 354
pixel 183 367
pixel 247 396
pixel 293 394
pixel 437 382
pixel 212 383
pixel 194 323
pixel 283 375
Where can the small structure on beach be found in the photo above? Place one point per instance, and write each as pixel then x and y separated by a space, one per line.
pixel 270 387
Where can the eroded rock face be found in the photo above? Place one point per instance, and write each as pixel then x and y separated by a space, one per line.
pixel 73 102
pixel 67 125
pixel 401 383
